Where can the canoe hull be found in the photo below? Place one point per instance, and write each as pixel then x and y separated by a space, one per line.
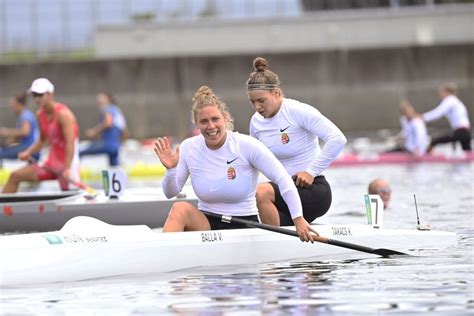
pixel 89 249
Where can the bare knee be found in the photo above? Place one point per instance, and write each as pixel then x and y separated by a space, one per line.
pixel 16 176
pixel 265 193
pixel 26 173
pixel 184 216
pixel 180 210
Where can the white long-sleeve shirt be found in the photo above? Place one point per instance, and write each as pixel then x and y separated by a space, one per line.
pixel 225 179
pixel 453 109
pixel 292 136
pixel 416 135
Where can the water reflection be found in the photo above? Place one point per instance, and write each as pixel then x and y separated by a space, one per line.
pixel 426 283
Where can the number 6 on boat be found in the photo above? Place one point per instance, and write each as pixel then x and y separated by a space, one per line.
pixel 114 181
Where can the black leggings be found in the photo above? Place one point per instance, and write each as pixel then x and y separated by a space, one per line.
pixel 462 135
pixel 316 201
pixel 217 224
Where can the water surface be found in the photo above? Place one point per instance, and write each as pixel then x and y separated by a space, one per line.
pixel 436 281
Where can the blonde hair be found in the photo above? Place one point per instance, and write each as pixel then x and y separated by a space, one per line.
pixel 203 97
pixel 407 109
pixel 262 78
pixel 450 87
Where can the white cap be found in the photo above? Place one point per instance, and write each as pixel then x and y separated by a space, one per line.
pixel 42 85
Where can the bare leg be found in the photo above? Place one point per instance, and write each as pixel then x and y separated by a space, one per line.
pixel 266 204
pixel 184 216
pixel 26 173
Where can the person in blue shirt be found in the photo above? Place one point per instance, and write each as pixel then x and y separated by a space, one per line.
pixel 112 129
pixel 24 134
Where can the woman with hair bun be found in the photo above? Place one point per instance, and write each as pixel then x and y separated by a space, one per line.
pixel 291 130
pixel 224 167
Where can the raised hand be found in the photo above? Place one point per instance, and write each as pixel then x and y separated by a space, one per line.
pixel 165 153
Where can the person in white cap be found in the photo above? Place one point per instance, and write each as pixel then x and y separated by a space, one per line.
pixel 58 128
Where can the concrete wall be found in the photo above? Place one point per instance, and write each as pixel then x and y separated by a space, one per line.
pixel 357 89
pixel 318 31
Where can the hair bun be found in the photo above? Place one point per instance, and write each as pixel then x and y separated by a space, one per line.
pixel 204 91
pixel 260 64
pixel 204 95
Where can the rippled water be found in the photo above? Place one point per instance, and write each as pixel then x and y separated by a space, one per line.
pixel 438 282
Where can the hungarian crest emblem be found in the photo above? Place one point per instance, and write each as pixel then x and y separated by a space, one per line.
pixel 285 139
pixel 231 174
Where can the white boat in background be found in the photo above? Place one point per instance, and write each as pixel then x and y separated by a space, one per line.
pixel 36 212
pixel 86 248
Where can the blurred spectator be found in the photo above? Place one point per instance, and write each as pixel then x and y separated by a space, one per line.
pixel 25 133
pixel 382 188
pixel 456 113
pixel 414 135
pixel 58 129
pixel 112 128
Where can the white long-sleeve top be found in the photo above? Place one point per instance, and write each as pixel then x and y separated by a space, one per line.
pixel 453 109
pixel 416 135
pixel 225 179
pixel 292 136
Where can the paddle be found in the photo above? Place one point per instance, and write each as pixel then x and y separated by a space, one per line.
pixel 91 193
pixel 379 251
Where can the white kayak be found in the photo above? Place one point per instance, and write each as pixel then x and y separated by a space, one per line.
pixel 87 248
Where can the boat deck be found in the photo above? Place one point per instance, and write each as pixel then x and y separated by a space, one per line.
pixel 135 207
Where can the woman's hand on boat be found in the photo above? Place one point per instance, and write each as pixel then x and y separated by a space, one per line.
pixel 303 179
pixel 165 153
pixel 304 230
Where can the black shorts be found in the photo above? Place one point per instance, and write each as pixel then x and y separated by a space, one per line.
pixel 217 224
pixel 316 201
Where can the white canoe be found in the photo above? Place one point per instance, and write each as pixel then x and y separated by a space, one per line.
pixel 86 248
pixel 28 212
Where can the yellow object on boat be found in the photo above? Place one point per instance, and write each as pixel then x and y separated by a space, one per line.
pixel 4 174
pixel 141 170
pixel 138 170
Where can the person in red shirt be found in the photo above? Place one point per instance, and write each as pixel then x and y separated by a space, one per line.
pixel 59 129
